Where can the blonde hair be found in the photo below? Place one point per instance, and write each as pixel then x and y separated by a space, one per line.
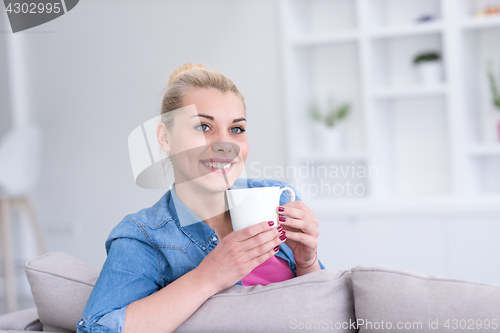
pixel 191 76
pixel 185 78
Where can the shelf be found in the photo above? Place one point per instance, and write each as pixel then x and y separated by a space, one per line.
pixel 327 39
pixel 407 207
pixel 485 150
pixel 344 156
pixel 481 23
pixel 407 31
pixel 410 92
pixel 413 133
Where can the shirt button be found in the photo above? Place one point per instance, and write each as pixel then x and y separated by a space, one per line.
pixel 80 323
pixel 214 239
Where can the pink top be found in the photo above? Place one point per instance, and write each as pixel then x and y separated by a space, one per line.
pixel 274 269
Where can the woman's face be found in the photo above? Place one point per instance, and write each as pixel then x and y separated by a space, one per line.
pixel 208 144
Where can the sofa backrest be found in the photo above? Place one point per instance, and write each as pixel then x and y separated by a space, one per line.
pixel 61 285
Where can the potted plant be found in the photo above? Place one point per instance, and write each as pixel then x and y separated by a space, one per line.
pixel 328 128
pixel 429 68
pixel 495 93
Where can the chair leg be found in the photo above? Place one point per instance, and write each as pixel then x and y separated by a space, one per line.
pixel 34 225
pixel 8 262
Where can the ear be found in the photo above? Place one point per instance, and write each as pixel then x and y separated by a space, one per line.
pixel 162 135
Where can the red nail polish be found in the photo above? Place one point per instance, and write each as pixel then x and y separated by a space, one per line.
pixel 271 223
pixel 282 219
pixel 281 209
pixel 279 228
pixel 276 249
pixel 283 236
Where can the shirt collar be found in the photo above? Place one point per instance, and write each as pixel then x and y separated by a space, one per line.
pixel 184 214
pixel 197 230
pixel 190 224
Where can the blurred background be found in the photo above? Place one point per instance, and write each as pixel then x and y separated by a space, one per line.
pixel 384 114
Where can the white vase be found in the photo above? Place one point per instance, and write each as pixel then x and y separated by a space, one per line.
pixel 490 133
pixel 430 73
pixel 328 140
pixel 495 126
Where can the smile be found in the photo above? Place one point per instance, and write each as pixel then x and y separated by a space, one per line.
pixel 218 165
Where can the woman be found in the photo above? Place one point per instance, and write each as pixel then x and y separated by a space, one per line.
pixel 164 262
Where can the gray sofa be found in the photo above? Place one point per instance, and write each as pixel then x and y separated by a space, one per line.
pixel 371 298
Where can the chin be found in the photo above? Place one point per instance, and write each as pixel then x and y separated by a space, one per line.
pixel 212 183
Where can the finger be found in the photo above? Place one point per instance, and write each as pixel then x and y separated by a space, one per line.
pixel 263 252
pixel 308 227
pixel 253 230
pixel 264 247
pixel 260 240
pixel 287 228
pixel 309 241
pixel 294 212
pixel 299 204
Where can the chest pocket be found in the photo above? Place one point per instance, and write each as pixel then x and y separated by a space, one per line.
pixel 178 262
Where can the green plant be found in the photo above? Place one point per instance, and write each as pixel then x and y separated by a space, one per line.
pixel 332 116
pixel 425 57
pixel 494 88
pixel 315 112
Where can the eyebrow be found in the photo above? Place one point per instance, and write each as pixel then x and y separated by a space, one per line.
pixel 212 118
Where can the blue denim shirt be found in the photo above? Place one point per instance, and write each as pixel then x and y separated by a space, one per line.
pixel 151 248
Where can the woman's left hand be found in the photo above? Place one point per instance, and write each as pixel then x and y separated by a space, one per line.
pixel 301 229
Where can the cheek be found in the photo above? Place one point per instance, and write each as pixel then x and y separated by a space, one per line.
pixel 189 141
pixel 244 151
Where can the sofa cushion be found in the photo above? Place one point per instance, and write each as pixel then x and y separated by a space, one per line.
pixel 318 300
pixel 24 320
pixel 60 285
pixel 386 297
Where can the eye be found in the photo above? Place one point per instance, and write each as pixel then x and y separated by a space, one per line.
pixel 237 130
pixel 202 127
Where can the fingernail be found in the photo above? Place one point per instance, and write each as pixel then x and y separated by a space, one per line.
pixel 281 209
pixel 279 228
pixel 282 219
pixel 283 236
pixel 271 223
pixel 277 248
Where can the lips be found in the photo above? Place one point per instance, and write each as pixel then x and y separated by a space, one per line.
pixel 218 160
pixel 218 165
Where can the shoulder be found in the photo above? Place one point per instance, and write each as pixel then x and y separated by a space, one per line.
pixel 149 225
pixel 155 216
pixel 253 182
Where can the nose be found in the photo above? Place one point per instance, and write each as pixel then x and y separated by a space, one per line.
pixel 224 147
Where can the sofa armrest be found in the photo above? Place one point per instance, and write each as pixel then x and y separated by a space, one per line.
pixel 24 320
pixel 9 331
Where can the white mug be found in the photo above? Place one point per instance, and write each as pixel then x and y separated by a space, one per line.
pixel 250 206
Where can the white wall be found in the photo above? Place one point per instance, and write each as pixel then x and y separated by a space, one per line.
pixel 5 120
pixel 96 73
pixel 99 71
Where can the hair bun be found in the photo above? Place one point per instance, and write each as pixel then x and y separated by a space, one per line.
pixel 180 71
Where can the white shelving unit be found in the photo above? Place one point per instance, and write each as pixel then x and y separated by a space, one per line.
pixel 428 148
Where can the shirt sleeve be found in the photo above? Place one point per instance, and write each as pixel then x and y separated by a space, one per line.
pixel 285 197
pixel 131 272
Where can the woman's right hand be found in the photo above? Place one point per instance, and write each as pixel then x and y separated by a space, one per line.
pixel 239 253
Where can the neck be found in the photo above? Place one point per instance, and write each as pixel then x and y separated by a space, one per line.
pixel 210 207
